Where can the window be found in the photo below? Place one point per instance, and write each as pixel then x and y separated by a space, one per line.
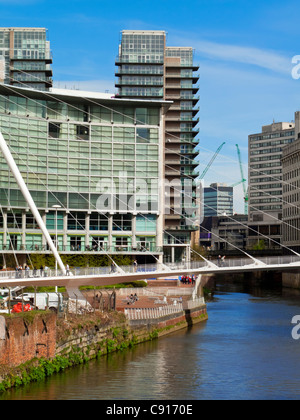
pixel 14 221
pixel 141 116
pixel 54 130
pixel 75 243
pixel 122 243
pixel 143 135
pixel 122 222
pixel 31 222
pixel 82 132
pixel 51 221
pixel 13 241
pixel 98 222
pixel 76 221
pixel 97 243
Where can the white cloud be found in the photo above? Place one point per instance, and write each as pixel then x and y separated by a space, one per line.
pixel 266 59
pixel 259 57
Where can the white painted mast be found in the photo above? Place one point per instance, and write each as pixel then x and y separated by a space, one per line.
pixel 23 188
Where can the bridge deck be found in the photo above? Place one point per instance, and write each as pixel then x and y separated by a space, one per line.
pixel 123 277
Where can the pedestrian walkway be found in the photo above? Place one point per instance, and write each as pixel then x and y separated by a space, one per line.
pixel 153 299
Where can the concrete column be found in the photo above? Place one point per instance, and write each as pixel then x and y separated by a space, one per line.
pixel 173 254
pixel 44 242
pixel 23 240
pixel 110 224
pixel 65 237
pixel 5 228
pixel 133 230
pixel 87 229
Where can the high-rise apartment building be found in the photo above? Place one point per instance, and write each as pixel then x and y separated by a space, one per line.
pixel 265 183
pixel 146 67
pixel 25 58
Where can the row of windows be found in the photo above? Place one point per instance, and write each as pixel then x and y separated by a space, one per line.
pixel 78 243
pixel 77 221
pixel 267 179
pixel 263 158
pixel 268 172
pixel 78 112
pixel 272 136
pixel 295 173
pixel 261 194
pixel 42 199
pixel 270 143
pixel 291 187
pixel 266 151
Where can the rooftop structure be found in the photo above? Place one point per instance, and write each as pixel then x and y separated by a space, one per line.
pixel 25 58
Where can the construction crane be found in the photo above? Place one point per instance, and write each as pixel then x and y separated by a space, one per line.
pixel 211 161
pixel 238 183
pixel 243 181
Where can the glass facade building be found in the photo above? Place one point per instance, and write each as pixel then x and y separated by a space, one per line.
pixel 218 200
pixel 94 156
pixel 147 67
pixel 25 58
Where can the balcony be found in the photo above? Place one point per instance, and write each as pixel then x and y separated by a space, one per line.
pixel 69 249
pixel 192 66
pixel 140 71
pixel 139 83
pixel 193 77
pixel 141 59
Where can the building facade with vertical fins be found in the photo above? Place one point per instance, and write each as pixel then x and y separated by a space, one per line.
pixel 147 67
pixel 92 169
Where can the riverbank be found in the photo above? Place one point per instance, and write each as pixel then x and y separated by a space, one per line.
pixel 79 339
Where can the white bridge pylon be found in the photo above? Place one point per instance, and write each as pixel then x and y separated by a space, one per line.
pixel 24 190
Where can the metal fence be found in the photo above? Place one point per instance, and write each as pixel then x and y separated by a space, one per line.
pixel 162 311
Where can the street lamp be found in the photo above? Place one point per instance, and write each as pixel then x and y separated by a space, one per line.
pixel 56 207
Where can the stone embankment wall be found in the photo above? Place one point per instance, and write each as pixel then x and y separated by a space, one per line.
pixel 291 280
pixel 96 340
pixel 24 338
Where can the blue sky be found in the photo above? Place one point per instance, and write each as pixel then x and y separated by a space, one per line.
pixel 244 48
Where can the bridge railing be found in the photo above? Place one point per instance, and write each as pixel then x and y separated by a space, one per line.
pixel 162 311
pixel 153 313
pixel 147 268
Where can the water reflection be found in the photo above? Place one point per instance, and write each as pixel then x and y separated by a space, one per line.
pixel 244 351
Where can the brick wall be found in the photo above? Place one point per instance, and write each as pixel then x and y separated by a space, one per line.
pixel 22 338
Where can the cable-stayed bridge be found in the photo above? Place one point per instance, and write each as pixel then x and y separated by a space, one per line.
pixel 124 274
pixel 103 276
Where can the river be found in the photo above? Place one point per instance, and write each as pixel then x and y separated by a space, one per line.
pixel 244 351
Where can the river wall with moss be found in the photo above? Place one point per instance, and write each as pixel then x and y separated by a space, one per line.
pixel 81 339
